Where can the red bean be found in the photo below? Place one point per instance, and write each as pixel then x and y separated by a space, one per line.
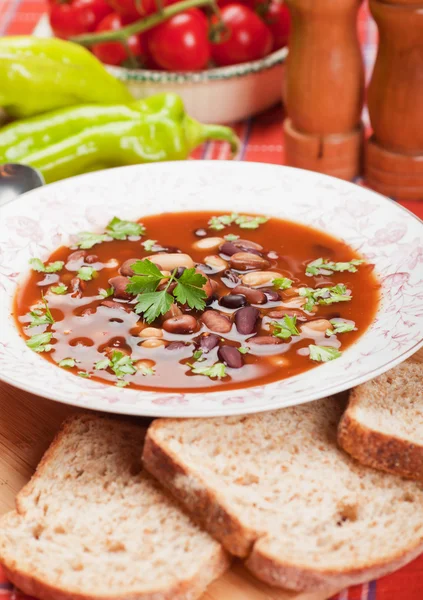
pixel 174 311
pixel 247 261
pixel 230 356
pixel 91 259
pixel 119 284
pixel 248 246
pixel 125 268
pixel 253 296
pixel 114 304
pixel 228 248
pixel 77 287
pixel 290 312
pixel 230 279
pixel 77 255
pixel 176 346
pixel 271 295
pixel 264 340
pixel 233 301
pixel 216 321
pixel 180 325
pixel 246 319
pixel 208 342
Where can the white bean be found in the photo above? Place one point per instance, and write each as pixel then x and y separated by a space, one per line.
pixel 151 332
pixel 169 262
pixel 319 326
pixel 216 263
pixel 259 278
pixel 208 243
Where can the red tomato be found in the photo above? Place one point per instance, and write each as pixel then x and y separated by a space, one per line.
pixel 181 42
pixel 247 37
pixel 115 53
pixel 278 20
pixel 76 16
pixel 136 9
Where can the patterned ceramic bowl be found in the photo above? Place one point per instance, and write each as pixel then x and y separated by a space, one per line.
pixel 221 95
pixel 390 237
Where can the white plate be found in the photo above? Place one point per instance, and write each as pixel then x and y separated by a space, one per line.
pixel 388 235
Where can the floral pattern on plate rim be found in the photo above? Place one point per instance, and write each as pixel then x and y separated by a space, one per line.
pixel 386 234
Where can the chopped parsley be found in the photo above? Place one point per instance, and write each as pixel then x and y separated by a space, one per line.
pixel 40 342
pixel 119 229
pixel 39 317
pixel 121 383
pixel 218 370
pixel 198 355
pixel 231 237
pixel 121 364
pixel 340 327
pixel 84 374
pixel 282 283
pixel 243 350
pixel 87 240
pixel 323 353
pixel 59 289
pixel 322 266
pixel 145 370
pixel 102 364
pixel 325 295
pixel 40 267
pixel 87 273
pixel 106 293
pixel 286 328
pixel 243 221
pixel 152 303
pixel 67 363
pixel 149 245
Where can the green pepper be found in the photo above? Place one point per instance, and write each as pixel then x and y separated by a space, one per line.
pixel 39 75
pixel 85 138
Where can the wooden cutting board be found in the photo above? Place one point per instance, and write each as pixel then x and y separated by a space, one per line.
pixel 27 426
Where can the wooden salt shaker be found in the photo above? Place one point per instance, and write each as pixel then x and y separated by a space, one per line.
pixel 394 154
pixel 324 88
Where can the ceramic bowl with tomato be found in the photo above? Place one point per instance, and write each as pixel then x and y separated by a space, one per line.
pixel 226 64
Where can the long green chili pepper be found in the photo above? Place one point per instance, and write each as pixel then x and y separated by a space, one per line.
pixel 84 138
pixel 39 75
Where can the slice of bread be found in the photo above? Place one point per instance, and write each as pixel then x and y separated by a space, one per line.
pixel 383 424
pixel 91 524
pixel 275 489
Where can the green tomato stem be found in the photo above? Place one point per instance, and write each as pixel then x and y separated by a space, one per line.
pixel 139 26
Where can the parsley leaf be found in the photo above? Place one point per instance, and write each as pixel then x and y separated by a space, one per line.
pixel 106 293
pixel 282 283
pixel 231 237
pixel 121 383
pixel 340 327
pixel 197 355
pixel 59 289
pixel 87 273
pixel 153 304
pixel 84 374
pixel 286 328
pixel 219 223
pixel 40 342
pixel 217 370
pixel 146 279
pixel 149 245
pixel 122 364
pixel 40 267
pixel 37 317
pixel 120 230
pixel 87 240
pixel 322 266
pixel 246 222
pixel 102 364
pixel 323 353
pixel 325 295
pixel 144 370
pixel 243 350
pixel 189 289
pixel 67 362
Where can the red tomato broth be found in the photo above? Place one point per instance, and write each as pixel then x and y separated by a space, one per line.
pixel 296 245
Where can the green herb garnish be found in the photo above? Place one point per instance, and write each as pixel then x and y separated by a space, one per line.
pixel 189 289
pixel 322 266
pixel 121 364
pixel 59 289
pixel 121 383
pixel 38 317
pixel 40 342
pixel 84 374
pixel 87 240
pixel 218 370
pixel 340 327
pixel 87 273
pixel 323 353
pixel 149 245
pixel 67 363
pixel 197 355
pixel 40 267
pixel 282 283
pixel 243 350
pixel 102 364
pixel 120 229
pixel 244 221
pixel 325 295
pixel 145 370
pixel 231 237
pixel 286 328
pixel 106 293
pixel 219 223
pixel 146 279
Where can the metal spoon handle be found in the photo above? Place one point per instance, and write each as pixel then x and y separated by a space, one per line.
pixel 16 179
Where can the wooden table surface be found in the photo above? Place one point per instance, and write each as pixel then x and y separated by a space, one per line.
pixel 27 426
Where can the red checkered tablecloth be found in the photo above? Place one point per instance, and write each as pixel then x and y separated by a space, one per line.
pixel 262 141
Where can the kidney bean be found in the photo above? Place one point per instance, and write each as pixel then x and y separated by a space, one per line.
pixel 208 243
pixel 144 363
pixel 279 314
pixel 119 284
pixel 245 261
pixel 180 325
pixel 125 268
pixel 116 347
pixel 77 255
pixel 176 345
pixel 208 342
pixel 228 248
pixel 174 311
pixel 247 245
pixel 150 332
pixel 179 272
pixel 271 295
pixel 114 304
pixel 77 287
pixel 200 232
pixel 259 278
pixel 153 343
pixel 253 296
pixel 230 356
pixel 233 301
pixel 216 321
pixel 230 279
pixel 91 259
pixel 172 261
pixel 163 286
pixel 246 319
pixel 264 340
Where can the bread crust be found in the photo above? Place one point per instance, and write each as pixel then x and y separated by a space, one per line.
pixel 204 506
pixel 378 450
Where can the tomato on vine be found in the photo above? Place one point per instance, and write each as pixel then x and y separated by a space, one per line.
pixel 73 17
pixel 278 20
pixel 136 9
pixel 117 53
pixel 246 37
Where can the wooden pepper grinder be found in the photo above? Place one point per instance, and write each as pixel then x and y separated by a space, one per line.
pixel 394 155
pixel 324 88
